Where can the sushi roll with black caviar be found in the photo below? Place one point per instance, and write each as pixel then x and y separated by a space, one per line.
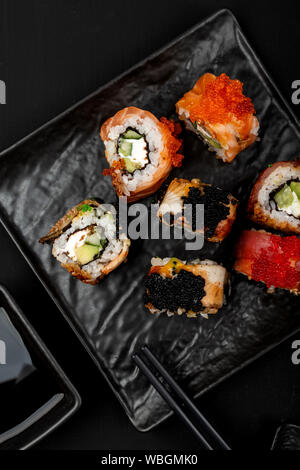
pixel 141 151
pixel 177 287
pixel 219 207
pixel 275 197
pixel 85 242
pixel 220 114
pixel 272 259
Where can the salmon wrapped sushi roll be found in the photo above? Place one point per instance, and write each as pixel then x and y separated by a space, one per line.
pixel 275 197
pixel 176 287
pixel 85 243
pixel 219 208
pixel 269 258
pixel 141 151
pixel 220 114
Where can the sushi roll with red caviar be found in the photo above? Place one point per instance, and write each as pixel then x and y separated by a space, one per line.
pixel 85 242
pixel 177 287
pixel 269 258
pixel 275 197
pixel 141 151
pixel 219 208
pixel 220 114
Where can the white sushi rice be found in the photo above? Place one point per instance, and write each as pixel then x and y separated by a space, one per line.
pixel 278 177
pixel 153 136
pixel 105 225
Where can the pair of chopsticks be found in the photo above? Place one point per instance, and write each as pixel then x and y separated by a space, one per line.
pixel 178 401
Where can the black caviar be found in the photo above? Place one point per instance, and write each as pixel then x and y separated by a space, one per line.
pixel 213 199
pixel 182 291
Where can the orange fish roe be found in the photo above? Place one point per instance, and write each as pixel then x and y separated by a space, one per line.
pixel 221 100
pixel 174 144
pixel 173 126
pixel 116 165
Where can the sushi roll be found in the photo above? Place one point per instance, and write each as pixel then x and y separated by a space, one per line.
pixel 220 114
pixel 275 197
pixel 269 258
pixel 141 151
pixel 219 207
pixel 85 243
pixel 176 287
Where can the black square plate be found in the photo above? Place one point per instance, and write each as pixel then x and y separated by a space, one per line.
pixel 35 394
pixel 61 164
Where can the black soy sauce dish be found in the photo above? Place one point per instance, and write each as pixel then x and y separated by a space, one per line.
pixel 35 394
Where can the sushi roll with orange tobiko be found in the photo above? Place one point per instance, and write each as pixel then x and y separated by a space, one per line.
pixel 220 114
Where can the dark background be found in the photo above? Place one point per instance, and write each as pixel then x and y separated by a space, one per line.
pixel 53 53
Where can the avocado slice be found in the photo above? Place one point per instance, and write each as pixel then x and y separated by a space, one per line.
pixel 284 197
pixel 295 186
pixel 87 253
pixel 131 134
pixel 130 165
pixel 125 147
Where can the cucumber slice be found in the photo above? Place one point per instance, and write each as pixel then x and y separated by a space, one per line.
pixel 130 165
pixel 208 138
pixel 93 240
pixel 131 134
pixel 125 147
pixel 87 253
pixel 295 186
pixel 284 197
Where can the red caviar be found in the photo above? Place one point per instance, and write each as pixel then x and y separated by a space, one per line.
pixel 269 258
pixel 220 101
pixel 174 144
pixel 116 165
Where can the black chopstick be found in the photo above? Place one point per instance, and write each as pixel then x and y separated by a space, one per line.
pixel 178 401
